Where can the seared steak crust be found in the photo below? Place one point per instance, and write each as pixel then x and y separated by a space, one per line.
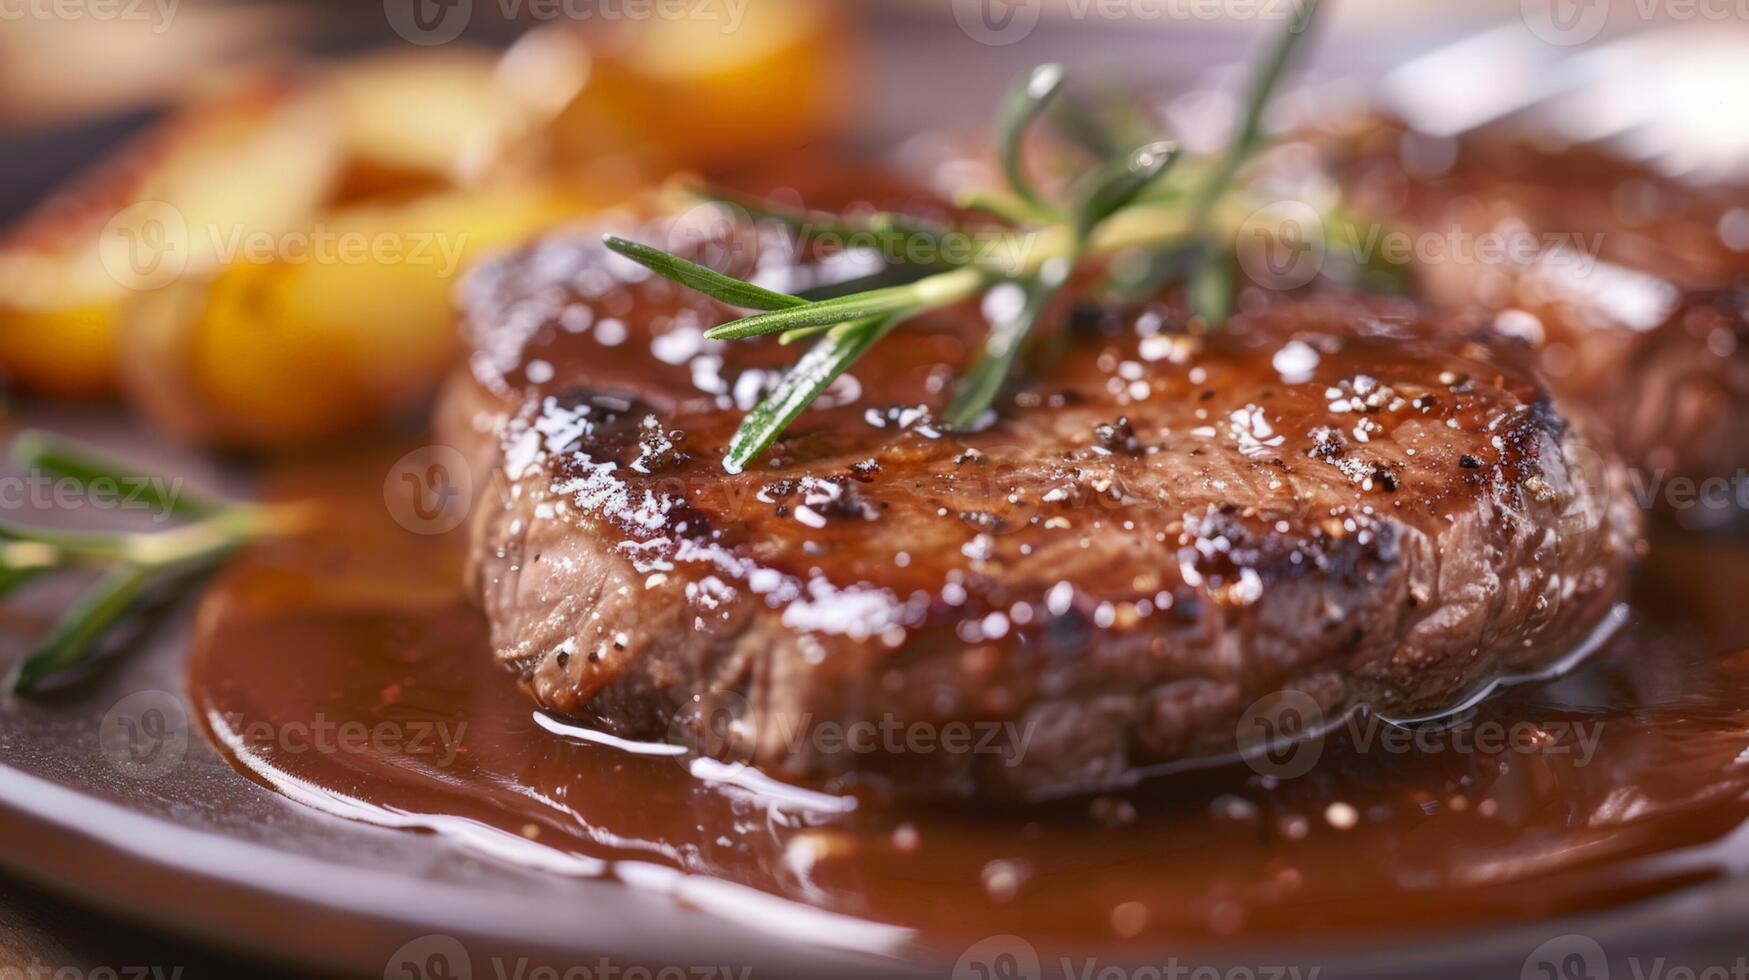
pixel 1164 528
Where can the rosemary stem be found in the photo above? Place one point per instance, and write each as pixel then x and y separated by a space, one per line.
pixel 84 545
pixel 1008 207
pixel 22 561
pixel 1024 254
pixel 138 564
pixel 1139 227
pixel 938 290
pixel 29 556
pixel 950 287
pixel 218 533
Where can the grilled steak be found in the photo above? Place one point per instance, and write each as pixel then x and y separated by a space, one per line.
pixel 1161 530
pixel 1631 286
pixel 1682 411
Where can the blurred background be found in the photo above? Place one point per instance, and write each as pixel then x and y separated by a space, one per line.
pixel 246 219
pixel 101 67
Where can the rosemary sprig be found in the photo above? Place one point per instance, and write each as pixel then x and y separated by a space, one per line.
pixel 1115 186
pixel 1120 204
pixel 1104 192
pixel 136 564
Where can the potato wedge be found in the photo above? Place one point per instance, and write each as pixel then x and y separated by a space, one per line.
pixel 677 93
pixel 258 158
pixel 413 121
pixel 338 326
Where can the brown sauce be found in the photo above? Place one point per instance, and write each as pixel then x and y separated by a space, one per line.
pixel 346 670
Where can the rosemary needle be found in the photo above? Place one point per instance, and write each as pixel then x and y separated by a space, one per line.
pixel 714 284
pixel 836 350
pixel 1023 104
pixel 79 630
pixel 1263 87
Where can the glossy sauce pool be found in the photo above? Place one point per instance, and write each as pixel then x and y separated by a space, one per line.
pixel 346 670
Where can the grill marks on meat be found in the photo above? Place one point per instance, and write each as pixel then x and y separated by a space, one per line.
pixel 1164 530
